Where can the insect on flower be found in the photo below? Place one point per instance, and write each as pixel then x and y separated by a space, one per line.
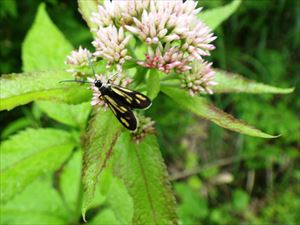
pixel 120 100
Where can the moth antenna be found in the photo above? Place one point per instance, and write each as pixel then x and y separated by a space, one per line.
pixel 113 76
pixel 77 81
pixel 91 64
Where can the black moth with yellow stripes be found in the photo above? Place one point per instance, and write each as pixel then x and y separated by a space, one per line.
pixel 121 101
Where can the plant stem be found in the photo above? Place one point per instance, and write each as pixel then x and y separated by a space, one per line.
pixel 196 170
pixel 170 77
pixel 170 84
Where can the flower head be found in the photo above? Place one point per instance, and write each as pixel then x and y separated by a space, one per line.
pixel 166 59
pixel 200 79
pixel 167 34
pixel 145 127
pixel 171 30
pixel 78 57
pixel 174 35
pixel 118 12
pixel 110 44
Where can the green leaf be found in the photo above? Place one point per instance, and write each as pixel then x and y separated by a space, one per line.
pixel 70 183
pixel 44 47
pixel 105 217
pixel 144 173
pixel 119 200
pixel 20 89
pixel 8 8
pixel 86 8
pixel 229 82
pixel 214 17
pixel 39 203
pixel 70 186
pixel 140 75
pixel 72 115
pixel 15 126
pixel 201 107
pixel 240 200
pixel 192 207
pixel 153 84
pixel 29 154
pixel 102 133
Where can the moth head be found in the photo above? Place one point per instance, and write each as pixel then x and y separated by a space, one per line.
pixel 98 83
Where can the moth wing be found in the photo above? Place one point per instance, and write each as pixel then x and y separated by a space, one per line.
pixel 122 112
pixel 131 98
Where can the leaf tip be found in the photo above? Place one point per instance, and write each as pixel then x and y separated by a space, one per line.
pixel 289 90
pixel 271 136
pixel 284 90
pixel 83 215
pixel 41 7
pixel 276 136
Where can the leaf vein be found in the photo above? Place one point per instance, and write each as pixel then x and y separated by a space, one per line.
pixel 146 185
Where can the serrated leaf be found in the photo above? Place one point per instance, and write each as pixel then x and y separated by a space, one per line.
pixel 29 154
pixel 102 133
pixel 229 82
pixel 214 17
pixel 86 8
pixel 143 171
pixel 72 115
pixel 201 107
pixel 39 203
pixel 153 84
pixel 44 47
pixel 20 89
pixel 70 185
pixel 44 53
pixel 15 126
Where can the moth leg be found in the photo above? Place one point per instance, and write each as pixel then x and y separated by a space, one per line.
pixel 110 78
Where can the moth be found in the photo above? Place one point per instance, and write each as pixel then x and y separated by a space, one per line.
pixel 120 100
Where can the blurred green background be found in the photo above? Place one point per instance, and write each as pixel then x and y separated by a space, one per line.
pixel 219 177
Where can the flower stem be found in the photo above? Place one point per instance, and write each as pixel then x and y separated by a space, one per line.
pixel 170 77
pixel 169 84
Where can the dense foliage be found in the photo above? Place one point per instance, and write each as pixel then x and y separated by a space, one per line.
pixel 219 177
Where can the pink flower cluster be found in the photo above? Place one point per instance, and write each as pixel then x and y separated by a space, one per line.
pixel 200 80
pixel 168 31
